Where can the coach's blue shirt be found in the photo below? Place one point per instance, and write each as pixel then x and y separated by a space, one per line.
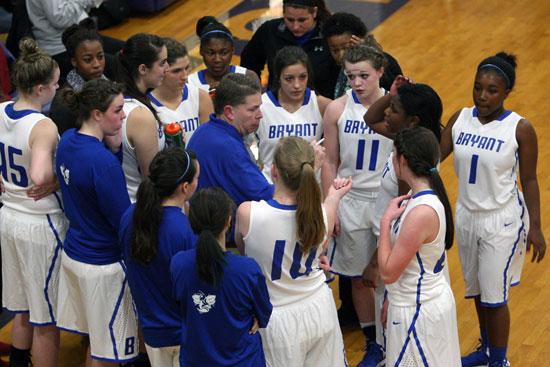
pixel 151 285
pixel 94 197
pixel 225 162
pixel 217 320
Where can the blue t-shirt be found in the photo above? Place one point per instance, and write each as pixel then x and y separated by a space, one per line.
pixel 94 197
pixel 225 162
pixel 217 320
pixel 151 286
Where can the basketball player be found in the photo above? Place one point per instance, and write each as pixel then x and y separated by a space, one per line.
pixel 495 224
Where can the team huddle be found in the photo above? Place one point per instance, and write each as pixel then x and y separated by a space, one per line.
pixel 220 253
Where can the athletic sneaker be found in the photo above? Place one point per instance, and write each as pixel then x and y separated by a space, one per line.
pixel 478 358
pixel 504 363
pixel 373 356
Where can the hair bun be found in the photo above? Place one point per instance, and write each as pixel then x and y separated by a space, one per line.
pixel 28 47
pixel 509 58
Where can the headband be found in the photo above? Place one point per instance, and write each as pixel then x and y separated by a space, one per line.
pixel 217 31
pixel 499 69
pixel 188 161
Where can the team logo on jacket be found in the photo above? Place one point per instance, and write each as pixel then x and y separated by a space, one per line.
pixel 204 302
pixel 65 173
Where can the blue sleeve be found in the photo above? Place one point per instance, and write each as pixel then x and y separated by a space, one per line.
pixel 112 195
pixel 260 297
pixel 247 181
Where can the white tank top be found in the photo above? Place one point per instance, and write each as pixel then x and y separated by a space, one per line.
pixel 485 160
pixel 15 162
pixel 362 151
pixel 277 122
pixel 130 163
pixel 197 79
pixel 187 113
pixel 291 276
pixel 423 278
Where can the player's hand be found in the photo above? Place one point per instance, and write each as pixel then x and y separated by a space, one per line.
pixel 2 188
pixel 395 209
pixel 324 264
pixel 370 275
pixel 255 326
pixel 536 239
pixel 384 313
pixel 355 40
pixel 399 81
pixel 39 192
pixel 340 187
pixel 319 155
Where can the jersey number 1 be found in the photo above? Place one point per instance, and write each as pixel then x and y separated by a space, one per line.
pixel 22 180
pixel 361 154
pixel 278 253
pixel 473 169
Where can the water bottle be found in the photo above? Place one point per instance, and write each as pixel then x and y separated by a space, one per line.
pixel 174 135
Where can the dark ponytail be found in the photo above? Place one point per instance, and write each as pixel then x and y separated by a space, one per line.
pixel 209 211
pixel 167 171
pixel 141 48
pixel 420 148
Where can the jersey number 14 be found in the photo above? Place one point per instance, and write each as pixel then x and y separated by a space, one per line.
pixel 278 252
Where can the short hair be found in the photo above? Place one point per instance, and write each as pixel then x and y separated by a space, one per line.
pixel 175 50
pixel 341 23
pixel 233 90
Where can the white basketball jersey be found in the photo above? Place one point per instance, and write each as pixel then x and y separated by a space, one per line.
pixel 187 113
pixel 197 79
pixel 362 151
pixel 277 122
pixel 130 163
pixel 15 162
pixel 291 275
pixel 485 160
pixel 389 190
pixel 423 278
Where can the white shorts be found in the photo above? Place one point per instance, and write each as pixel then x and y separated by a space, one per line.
pixel 164 357
pixel 305 334
pixel 96 300
pixel 31 255
pixel 491 246
pixel 351 251
pixel 424 335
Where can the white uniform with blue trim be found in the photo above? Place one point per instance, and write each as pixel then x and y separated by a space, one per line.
pixel 197 79
pixel 32 232
pixel 307 123
pixel 362 156
pixel 421 324
pixel 492 221
pixel 130 164
pixel 187 113
pixel 303 329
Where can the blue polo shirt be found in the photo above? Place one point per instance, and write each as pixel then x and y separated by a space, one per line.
pixel 225 162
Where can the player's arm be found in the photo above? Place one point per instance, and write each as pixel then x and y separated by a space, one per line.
pixel 335 193
pixel 446 143
pixel 242 224
pixel 420 226
pixel 142 132
pixel 205 106
pixel 528 154
pixel 43 141
pixel 331 144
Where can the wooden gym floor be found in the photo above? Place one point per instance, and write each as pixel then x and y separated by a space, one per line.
pixel 438 43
